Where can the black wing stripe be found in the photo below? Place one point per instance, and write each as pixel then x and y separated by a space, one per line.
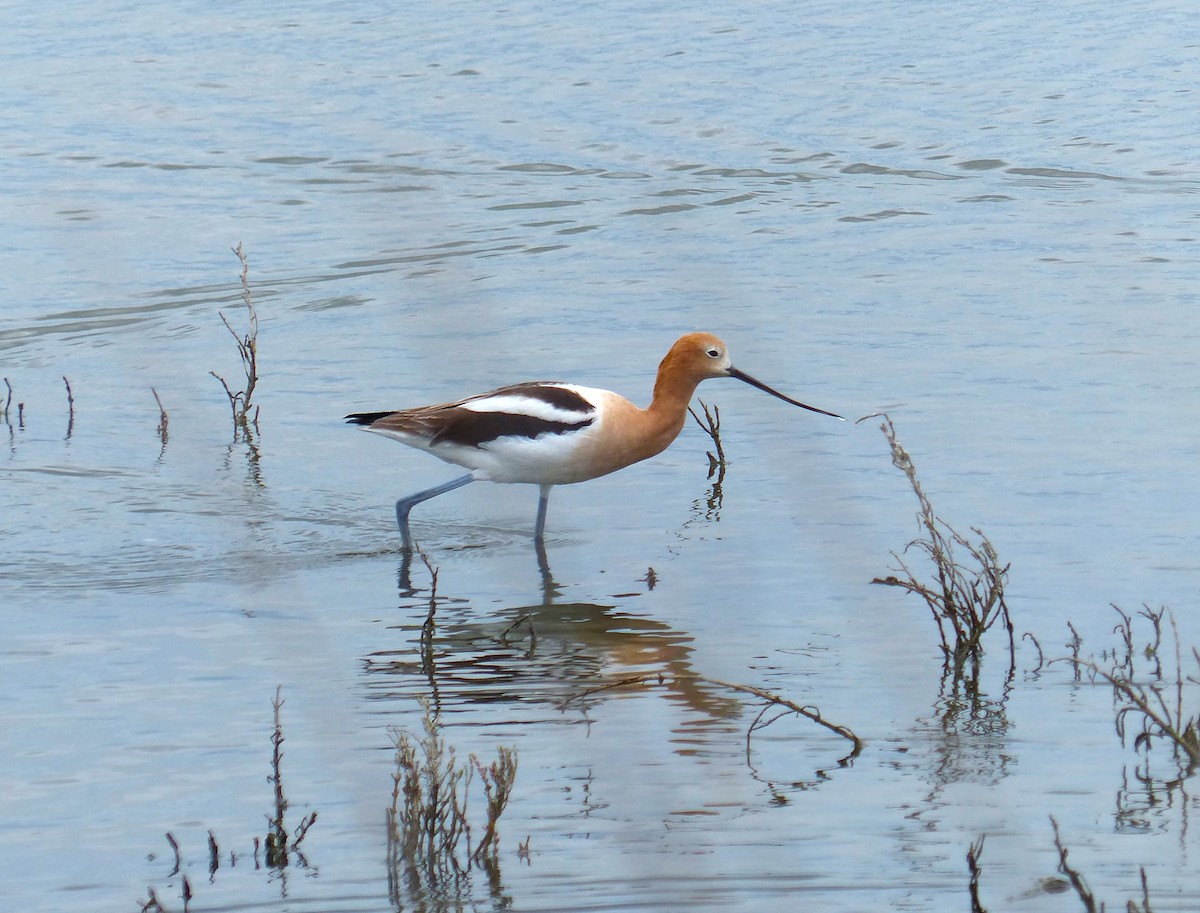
pixel 468 428
pixel 544 391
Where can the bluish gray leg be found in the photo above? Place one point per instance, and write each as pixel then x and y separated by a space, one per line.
pixel 405 505
pixel 539 528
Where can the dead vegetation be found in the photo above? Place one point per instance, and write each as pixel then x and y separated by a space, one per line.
pixel 278 853
pixel 70 407
pixel 711 425
pixel 431 850
pixel 163 422
pixel 279 843
pixel 1072 880
pixel 774 708
pixel 240 401
pixel 966 592
pixel 1151 702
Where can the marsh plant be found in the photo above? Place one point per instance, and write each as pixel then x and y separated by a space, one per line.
pixel 240 401
pixel 711 425
pixel 163 423
pixel 966 591
pixel 276 853
pixel 1153 705
pixel 431 847
pixel 1072 880
pixel 774 707
pixel 70 407
pixel 279 842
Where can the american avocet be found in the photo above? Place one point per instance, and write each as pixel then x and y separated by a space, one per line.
pixel 546 434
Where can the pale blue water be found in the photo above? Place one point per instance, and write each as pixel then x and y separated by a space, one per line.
pixel 981 219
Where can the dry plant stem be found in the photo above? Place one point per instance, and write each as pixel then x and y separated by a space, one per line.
pixel 429 627
pixel 1155 710
pixel 7 400
pixel 964 602
pixel 497 778
pixel 161 430
pixel 247 345
pixel 711 425
pixel 276 833
pixel 773 700
pixel 70 407
pixel 174 846
pixel 1081 889
pixel 1075 643
pixel 1080 886
pixel 428 821
pixel 809 713
pixel 1132 907
pixel 974 854
pixel 1038 646
pixel 277 840
pixel 1161 718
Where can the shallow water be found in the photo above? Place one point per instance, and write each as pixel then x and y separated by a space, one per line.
pixel 980 220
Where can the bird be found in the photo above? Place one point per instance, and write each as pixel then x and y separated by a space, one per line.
pixel 548 433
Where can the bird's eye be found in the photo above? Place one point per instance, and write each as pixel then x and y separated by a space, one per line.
pixel 714 353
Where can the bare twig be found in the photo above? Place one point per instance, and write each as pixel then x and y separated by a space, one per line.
pixel 277 838
pixel 214 855
pixel 70 407
pixel 711 425
pixel 1041 656
pixel 974 854
pixel 429 627
pixel 175 847
pixel 161 430
pixel 773 700
pixel 1073 875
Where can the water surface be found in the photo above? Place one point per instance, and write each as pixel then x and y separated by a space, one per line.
pixel 980 220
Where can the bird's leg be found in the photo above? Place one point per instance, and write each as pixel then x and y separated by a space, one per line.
pixel 405 505
pixel 539 528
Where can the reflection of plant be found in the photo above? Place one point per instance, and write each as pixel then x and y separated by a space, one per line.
pixel 966 599
pixel 429 832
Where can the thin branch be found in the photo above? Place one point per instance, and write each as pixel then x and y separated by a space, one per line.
pixel 1073 875
pixel 809 713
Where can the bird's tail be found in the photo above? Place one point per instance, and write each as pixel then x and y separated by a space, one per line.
pixel 365 418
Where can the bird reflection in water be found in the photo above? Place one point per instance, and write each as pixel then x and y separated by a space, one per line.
pixel 551 652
